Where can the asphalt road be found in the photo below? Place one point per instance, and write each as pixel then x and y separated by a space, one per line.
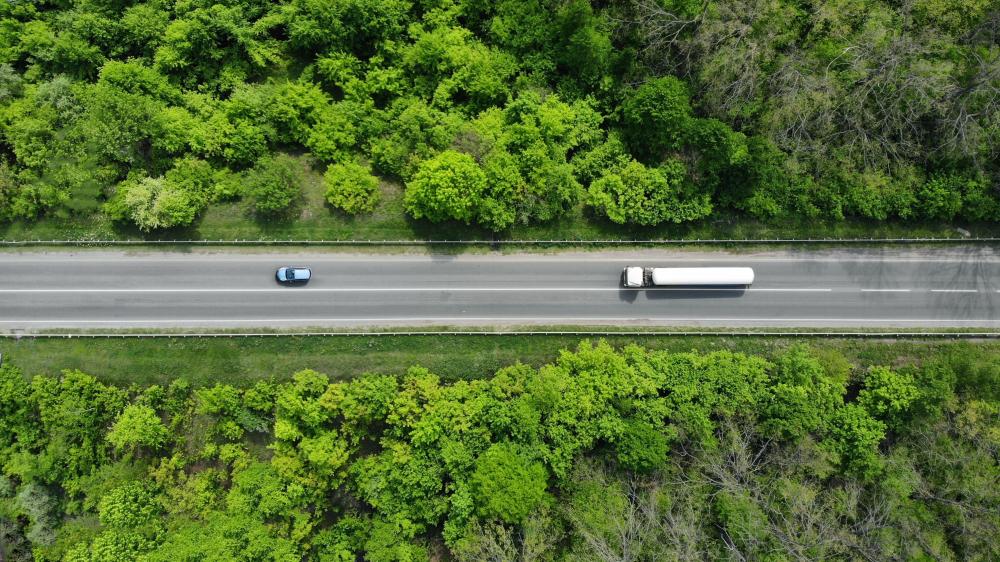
pixel 942 288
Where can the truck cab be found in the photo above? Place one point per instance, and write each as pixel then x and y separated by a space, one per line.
pixel 634 277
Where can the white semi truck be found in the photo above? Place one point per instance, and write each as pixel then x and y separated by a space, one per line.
pixel 637 277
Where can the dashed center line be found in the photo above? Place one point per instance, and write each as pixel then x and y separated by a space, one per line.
pixel 954 290
pixel 886 290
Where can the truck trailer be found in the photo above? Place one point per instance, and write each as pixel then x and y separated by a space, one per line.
pixel 634 277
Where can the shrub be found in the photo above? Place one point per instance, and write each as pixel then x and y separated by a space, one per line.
pixel 138 426
pixel 447 186
pixel 274 184
pixel 508 484
pixel 352 188
pixel 635 194
pixel 152 204
pixel 657 116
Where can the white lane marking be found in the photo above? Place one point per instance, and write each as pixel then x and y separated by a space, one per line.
pixel 290 290
pixel 437 259
pixel 954 290
pixel 504 319
pixel 886 290
pixel 811 290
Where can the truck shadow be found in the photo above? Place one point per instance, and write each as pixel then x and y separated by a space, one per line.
pixel 682 293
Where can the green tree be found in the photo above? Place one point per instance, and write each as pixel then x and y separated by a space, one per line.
pixel 351 187
pixel 856 436
pixel 636 194
pixel 152 204
pixel 940 197
pixel 889 395
pixel 803 398
pixel 333 136
pixel 642 447
pixel 508 484
pixel 448 186
pixel 657 116
pixel 274 184
pixel 138 426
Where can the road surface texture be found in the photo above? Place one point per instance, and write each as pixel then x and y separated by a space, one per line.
pixel 844 288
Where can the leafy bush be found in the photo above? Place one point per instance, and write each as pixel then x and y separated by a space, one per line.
pixel 657 116
pixel 138 426
pixel 274 185
pixel 635 194
pixel 352 188
pixel 509 483
pixel 153 204
pixel 448 186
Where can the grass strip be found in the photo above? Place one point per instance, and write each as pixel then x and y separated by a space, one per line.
pixel 243 360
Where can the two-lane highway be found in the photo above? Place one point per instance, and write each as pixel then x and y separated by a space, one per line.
pixel 942 288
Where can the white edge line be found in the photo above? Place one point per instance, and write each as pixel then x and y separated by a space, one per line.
pixel 435 259
pixel 789 290
pixel 502 319
pixel 303 290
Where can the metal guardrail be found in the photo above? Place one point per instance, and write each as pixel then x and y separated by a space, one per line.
pixel 511 242
pixel 589 333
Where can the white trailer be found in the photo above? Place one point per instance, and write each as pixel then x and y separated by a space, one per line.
pixel 637 277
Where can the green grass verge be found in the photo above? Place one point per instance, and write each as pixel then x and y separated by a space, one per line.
pixel 315 220
pixel 242 360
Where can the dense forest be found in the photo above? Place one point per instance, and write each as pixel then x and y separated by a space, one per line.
pixel 603 454
pixel 501 113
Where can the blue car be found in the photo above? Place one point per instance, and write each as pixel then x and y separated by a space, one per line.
pixel 293 275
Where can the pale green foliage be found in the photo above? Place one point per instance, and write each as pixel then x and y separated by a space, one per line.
pixel 129 507
pixel 510 484
pixel 888 395
pixel 647 196
pixel 333 135
pixel 351 187
pixel 153 204
pixel 40 507
pixel 449 186
pixel 138 426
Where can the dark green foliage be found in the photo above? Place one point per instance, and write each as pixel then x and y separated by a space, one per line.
pixel 642 446
pixel 657 117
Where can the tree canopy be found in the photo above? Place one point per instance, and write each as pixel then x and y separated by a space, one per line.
pixel 773 109
pixel 603 452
